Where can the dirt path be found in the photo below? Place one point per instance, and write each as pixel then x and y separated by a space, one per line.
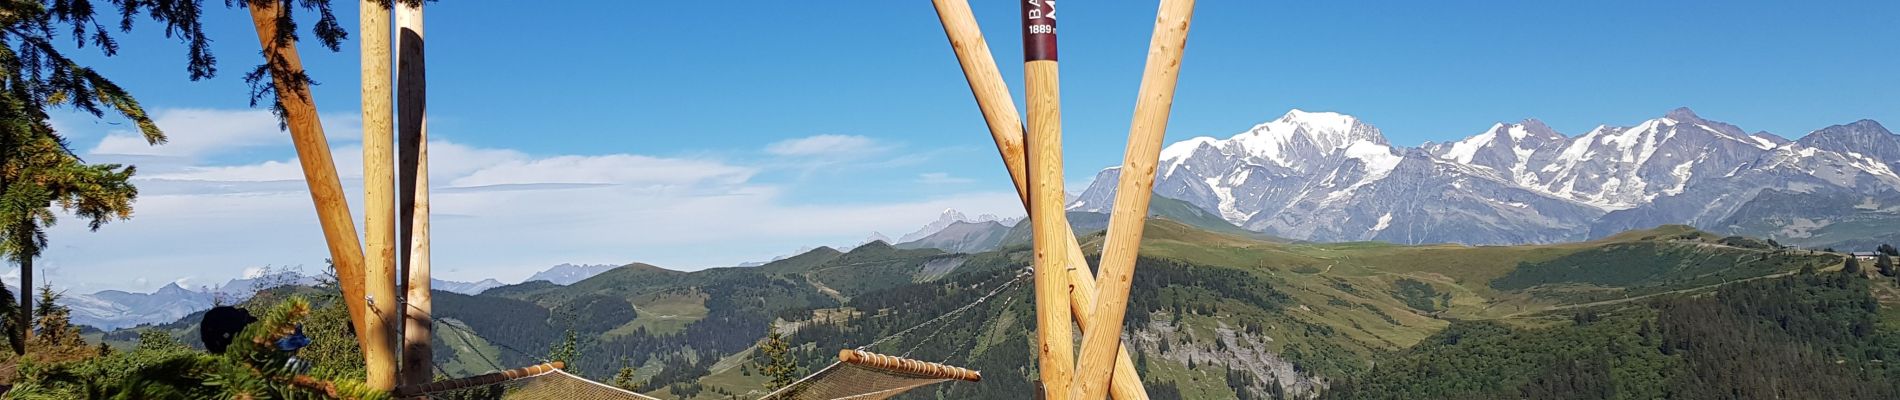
pixel 1635 298
pixel 827 290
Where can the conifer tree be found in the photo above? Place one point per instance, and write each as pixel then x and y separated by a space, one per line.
pixel 38 171
pixel 1885 265
pixel 624 378
pixel 566 349
pixel 778 363
pixel 1853 266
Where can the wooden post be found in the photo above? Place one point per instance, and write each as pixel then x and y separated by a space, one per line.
pixel 379 198
pixel 1102 337
pixel 1047 215
pixel 313 154
pixel 999 111
pixel 412 83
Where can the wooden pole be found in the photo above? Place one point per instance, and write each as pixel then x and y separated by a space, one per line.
pixel 907 366
pixel 999 111
pixel 1047 215
pixel 379 198
pixel 1102 337
pixel 412 83
pixel 313 154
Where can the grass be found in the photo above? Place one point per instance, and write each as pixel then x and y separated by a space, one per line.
pixel 664 313
pixel 727 375
pixel 472 353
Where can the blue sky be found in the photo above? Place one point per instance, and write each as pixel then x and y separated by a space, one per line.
pixel 804 124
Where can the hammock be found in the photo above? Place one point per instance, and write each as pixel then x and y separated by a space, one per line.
pixel 856 375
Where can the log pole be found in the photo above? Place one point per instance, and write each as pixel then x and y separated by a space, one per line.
pixel 313 155
pixel 1102 337
pixel 907 366
pixel 412 118
pixel 999 112
pixel 1048 219
pixel 379 198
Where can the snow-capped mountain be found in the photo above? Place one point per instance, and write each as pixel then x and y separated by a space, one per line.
pixel 952 216
pixel 113 309
pixel 1863 138
pixel 567 274
pixel 468 288
pixel 962 237
pixel 1331 177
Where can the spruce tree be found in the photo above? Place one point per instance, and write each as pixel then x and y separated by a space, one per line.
pixel 624 378
pixel 1885 265
pixel 38 171
pixel 565 350
pixel 778 363
pixel 1853 266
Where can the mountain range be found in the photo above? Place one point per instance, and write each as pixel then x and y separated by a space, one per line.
pixel 1224 315
pixel 1330 177
pixel 115 309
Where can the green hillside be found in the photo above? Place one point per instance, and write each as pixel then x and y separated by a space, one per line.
pixel 1214 314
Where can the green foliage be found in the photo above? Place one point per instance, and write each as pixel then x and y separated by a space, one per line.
pixel 566 349
pixel 161 368
pixel 1420 295
pixel 53 322
pixel 1652 266
pixel 1805 336
pixel 624 378
pixel 158 341
pixel 38 171
pixel 333 346
pixel 1885 265
pixel 1749 243
pixel 778 363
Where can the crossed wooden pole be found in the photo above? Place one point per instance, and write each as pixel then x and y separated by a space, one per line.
pixel 369 275
pixel 1065 289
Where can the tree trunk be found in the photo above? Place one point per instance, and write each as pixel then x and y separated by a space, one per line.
pixel 24 324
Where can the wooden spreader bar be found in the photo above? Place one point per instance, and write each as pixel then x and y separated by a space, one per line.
pixel 907 366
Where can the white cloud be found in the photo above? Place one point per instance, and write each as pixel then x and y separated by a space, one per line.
pixel 941 178
pixel 827 146
pixel 625 169
pixel 262 172
pixel 499 213
pixel 194 133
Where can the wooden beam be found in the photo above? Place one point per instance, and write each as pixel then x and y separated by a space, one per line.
pixel 313 154
pixel 999 111
pixel 1048 219
pixel 379 198
pixel 1102 338
pixel 412 116
pixel 907 366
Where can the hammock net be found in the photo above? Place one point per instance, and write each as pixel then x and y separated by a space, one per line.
pixel 857 375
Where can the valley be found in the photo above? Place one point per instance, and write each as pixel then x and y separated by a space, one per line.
pixel 1214 314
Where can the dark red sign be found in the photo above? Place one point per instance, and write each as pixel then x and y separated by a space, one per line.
pixel 1039 30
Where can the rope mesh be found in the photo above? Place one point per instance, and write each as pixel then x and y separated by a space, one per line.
pixel 848 381
pixel 857 376
pixel 550 385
